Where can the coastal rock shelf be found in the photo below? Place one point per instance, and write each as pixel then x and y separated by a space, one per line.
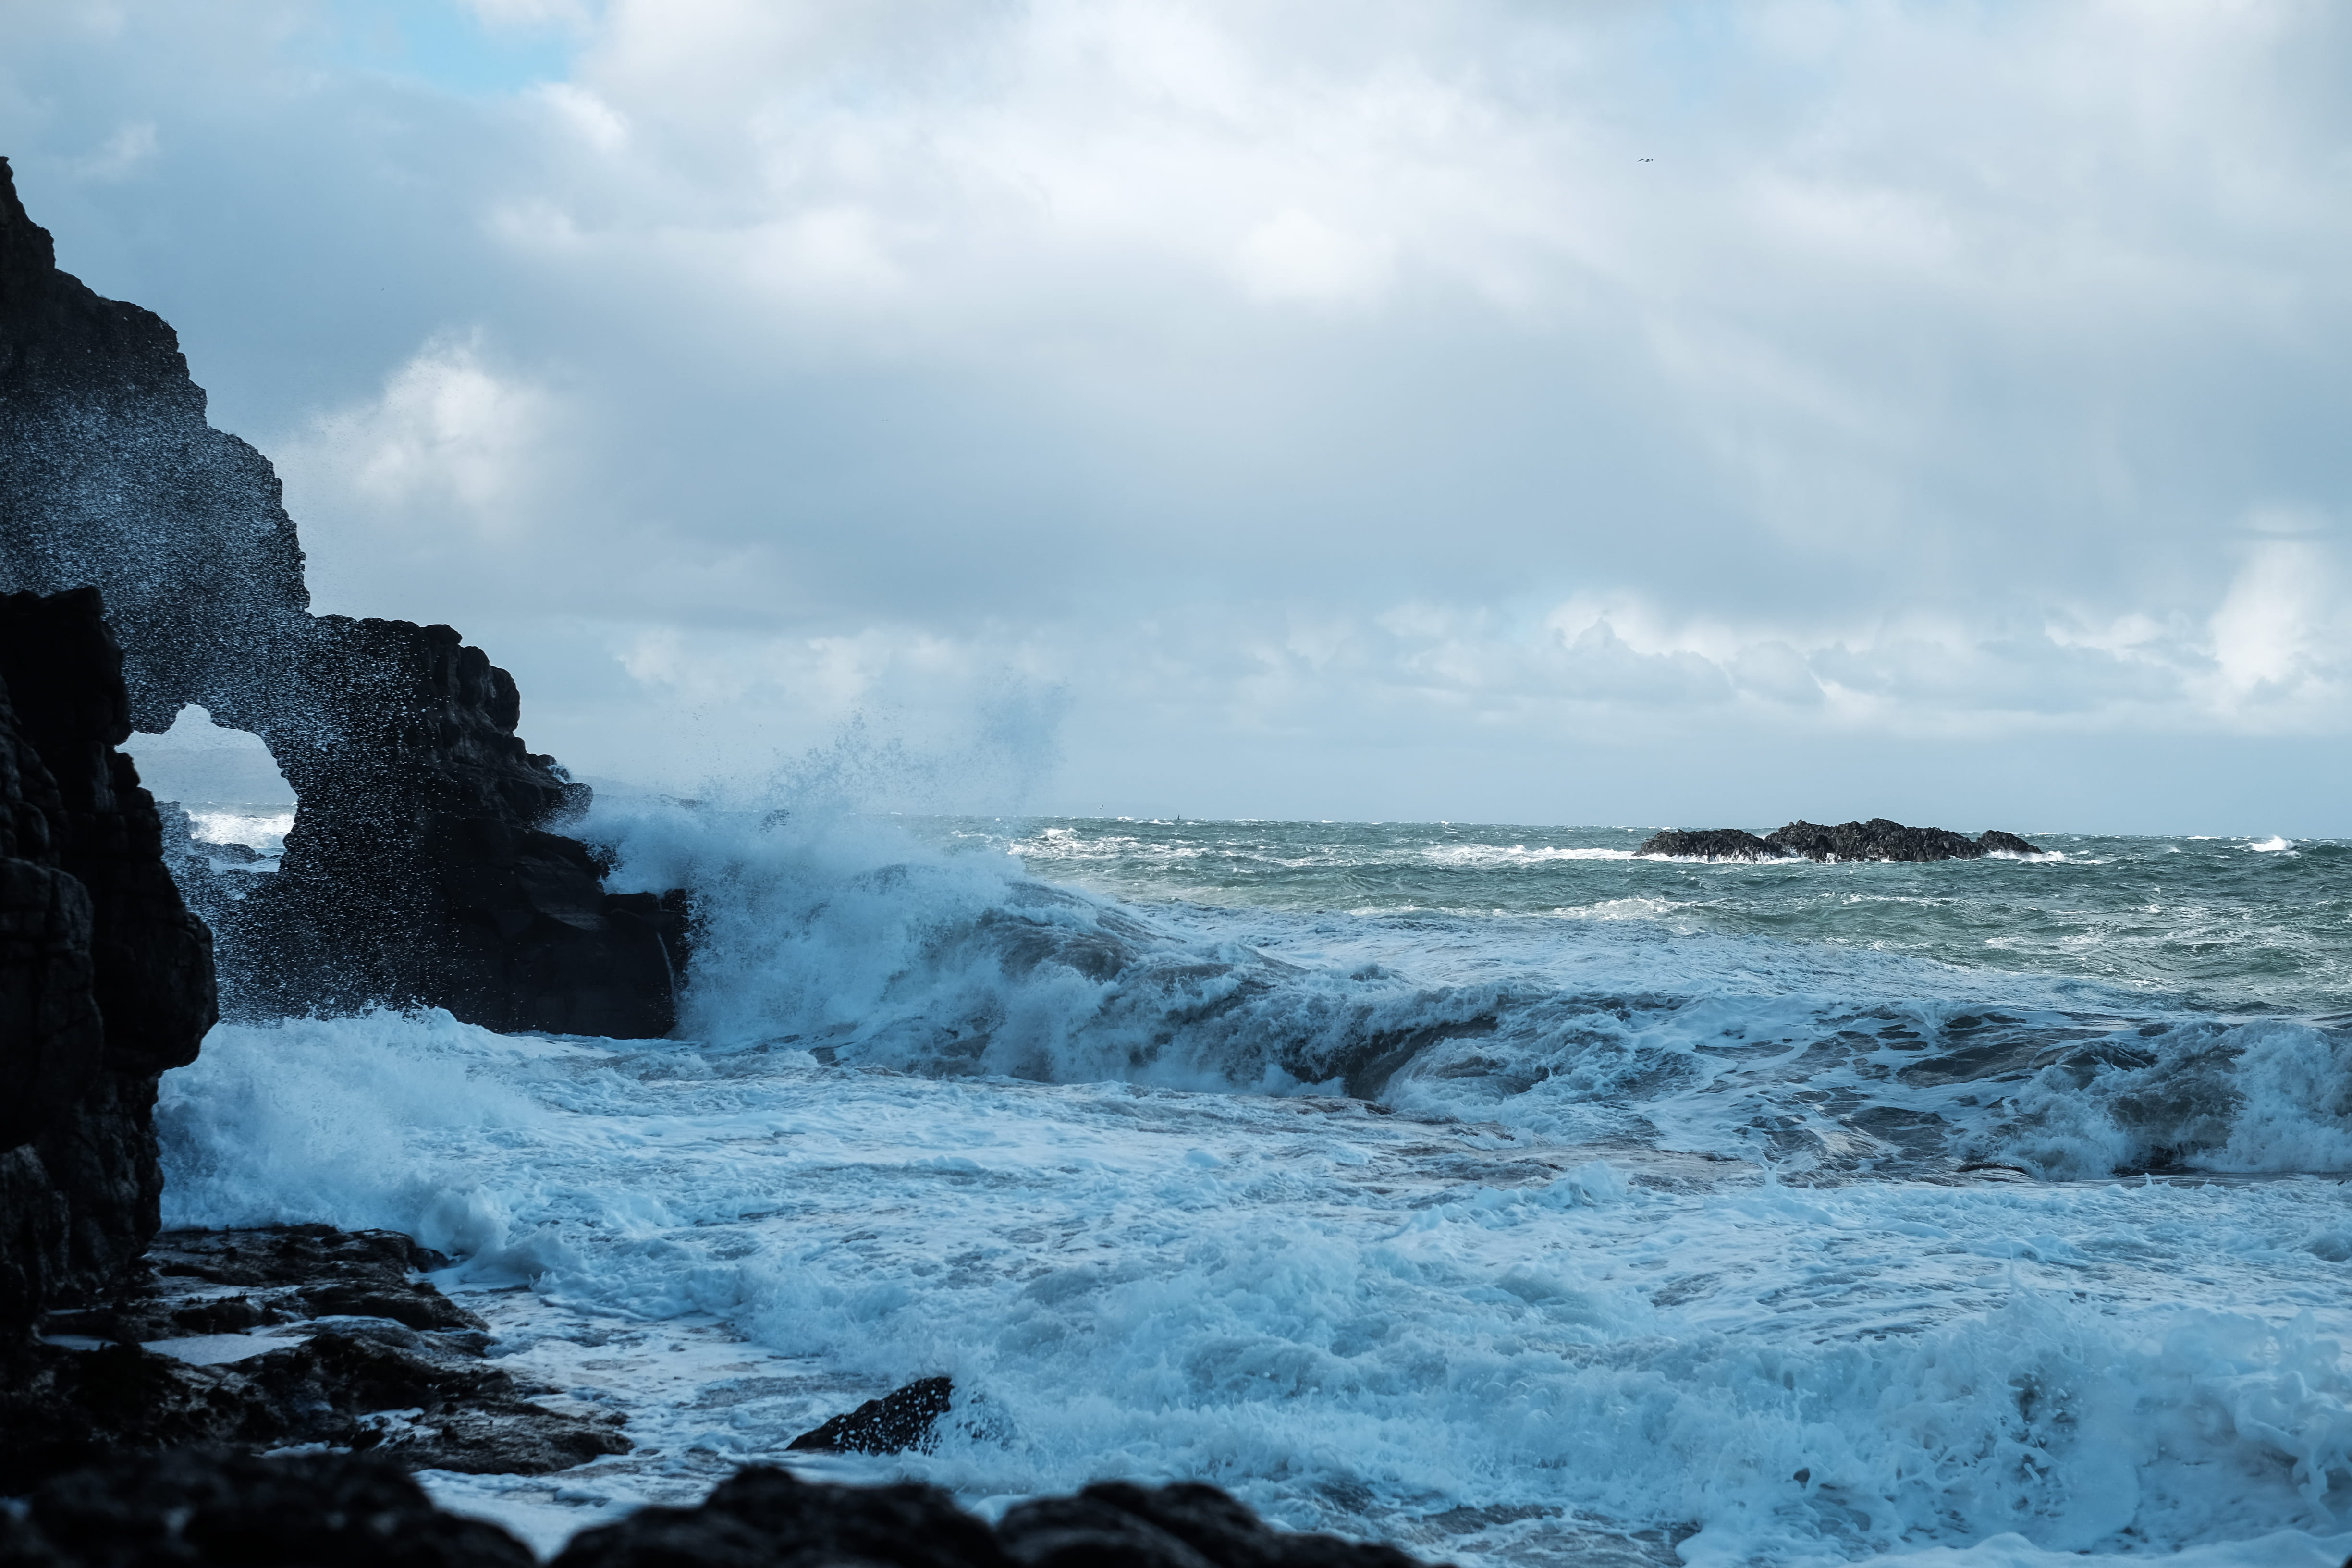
pixel 1877 839
pixel 254 1340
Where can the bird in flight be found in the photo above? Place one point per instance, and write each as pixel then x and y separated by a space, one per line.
pixel 1645 159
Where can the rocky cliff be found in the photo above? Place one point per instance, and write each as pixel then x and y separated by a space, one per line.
pixel 425 864
pixel 106 979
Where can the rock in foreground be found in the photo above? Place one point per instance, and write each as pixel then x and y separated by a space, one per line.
pixel 1877 839
pixel 258 1340
pixel 106 979
pixel 209 1509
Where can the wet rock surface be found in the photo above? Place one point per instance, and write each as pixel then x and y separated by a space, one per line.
pixel 427 865
pixel 258 1340
pixel 902 1419
pixel 1877 839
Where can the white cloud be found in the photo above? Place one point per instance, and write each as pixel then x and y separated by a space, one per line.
pixel 2280 634
pixel 1296 376
pixel 455 460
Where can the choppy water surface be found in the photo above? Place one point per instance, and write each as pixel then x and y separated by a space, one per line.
pixel 2232 923
pixel 1486 1189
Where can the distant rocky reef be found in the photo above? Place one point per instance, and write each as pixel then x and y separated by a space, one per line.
pixel 1877 839
pixel 425 864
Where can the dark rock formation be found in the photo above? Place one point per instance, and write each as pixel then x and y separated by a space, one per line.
pixel 210 1510
pixel 423 868
pixel 1877 839
pixel 901 1419
pixel 763 1518
pixel 301 1511
pixel 341 1344
pixel 1996 842
pixel 1183 1526
pixel 106 979
pixel 1709 844
pixel 416 869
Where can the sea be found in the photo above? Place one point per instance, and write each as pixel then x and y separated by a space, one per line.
pixel 1491 1190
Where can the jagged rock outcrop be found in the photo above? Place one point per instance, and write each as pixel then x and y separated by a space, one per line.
pixel 424 866
pixel 417 868
pixel 1877 839
pixel 106 979
pixel 901 1419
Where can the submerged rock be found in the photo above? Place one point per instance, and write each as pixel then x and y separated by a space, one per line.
pixel 1877 839
pixel 1996 842
pixel 425 866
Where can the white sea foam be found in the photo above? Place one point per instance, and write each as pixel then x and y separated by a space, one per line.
pixel 1354 1322
pixel 2270 846
pixel 1494 854
pixel 1814 1249
pixel 259 828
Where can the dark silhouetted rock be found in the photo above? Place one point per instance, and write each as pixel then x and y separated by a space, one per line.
pixel 216 1509
pixel 901 1419
pixel 1709 844
pixel 1998 843
pixel 416 869
pixel 204 1507
pixel 764 1518
pixel 1187 1525
pixel 106 979
pixel 766 1515
pixel 424 866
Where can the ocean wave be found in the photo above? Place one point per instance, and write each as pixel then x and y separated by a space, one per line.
pixel 1492 855
pixel 1352 1321
pixel 844 938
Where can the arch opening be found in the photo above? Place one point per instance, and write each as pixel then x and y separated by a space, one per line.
pixel 226 807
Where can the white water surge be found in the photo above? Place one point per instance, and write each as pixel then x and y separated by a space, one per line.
pixel 1648 1248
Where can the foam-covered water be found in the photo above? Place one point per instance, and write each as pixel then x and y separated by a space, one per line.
pixel 1493 1190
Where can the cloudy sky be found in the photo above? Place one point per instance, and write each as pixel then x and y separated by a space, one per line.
pixel 1480 409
